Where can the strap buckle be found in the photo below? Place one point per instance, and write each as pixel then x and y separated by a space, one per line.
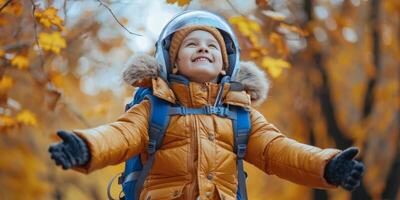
pixel 183 110
pixel 152 146
pixel 220 111
pixel 241 150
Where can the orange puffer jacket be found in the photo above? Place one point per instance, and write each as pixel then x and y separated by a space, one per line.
pixel 196 157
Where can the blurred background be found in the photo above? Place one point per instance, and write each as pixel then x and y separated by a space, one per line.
pixel 334 67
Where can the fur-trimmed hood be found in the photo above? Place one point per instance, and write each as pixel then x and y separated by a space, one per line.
pixel 142 68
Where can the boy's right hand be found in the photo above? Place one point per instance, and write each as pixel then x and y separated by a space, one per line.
pixel 344 170
pixel 71 152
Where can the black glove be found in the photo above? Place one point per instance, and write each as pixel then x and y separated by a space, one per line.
pixel 343 170
pixel 72 151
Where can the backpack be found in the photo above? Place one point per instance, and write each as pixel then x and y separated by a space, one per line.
pixel 134 175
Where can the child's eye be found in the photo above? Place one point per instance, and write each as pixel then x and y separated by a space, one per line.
pixel 190 44
pixel 213 46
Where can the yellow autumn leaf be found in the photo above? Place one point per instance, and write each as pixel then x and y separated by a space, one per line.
pixel 248 28
pixel 49 17
pixel 57 80
pixel 6 83
pixel 244 24
pixel 254 26
pixel 52 42
pixel 26 117
pixel 20 61
pixel 274 66
pixel 6 121
pixel 180 2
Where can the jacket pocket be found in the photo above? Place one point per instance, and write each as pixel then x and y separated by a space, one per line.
pixel 163 193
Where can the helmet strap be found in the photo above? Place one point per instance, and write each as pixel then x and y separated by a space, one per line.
pixel 224 80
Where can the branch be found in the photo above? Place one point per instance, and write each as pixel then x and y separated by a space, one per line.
pixel 35 33
pixel 234 8
pixel 76 113
pixel 109 9
pixel 65 11
pixel 369 95
pixel 16 46
pixel 5 5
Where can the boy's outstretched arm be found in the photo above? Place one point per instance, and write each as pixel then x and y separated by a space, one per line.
pixel 275 154
pixel 105 145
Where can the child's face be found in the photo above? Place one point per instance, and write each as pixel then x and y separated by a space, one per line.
pixel 199 57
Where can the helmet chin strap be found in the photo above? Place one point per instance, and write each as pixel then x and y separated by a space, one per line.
pixel 224 80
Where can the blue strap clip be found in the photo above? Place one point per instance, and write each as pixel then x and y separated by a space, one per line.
pixel 213 110
pixel 152 146
pixel 241 151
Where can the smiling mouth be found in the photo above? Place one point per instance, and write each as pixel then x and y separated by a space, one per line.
pixel 202 59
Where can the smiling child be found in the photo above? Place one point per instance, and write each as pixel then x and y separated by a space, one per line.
pixel 198 74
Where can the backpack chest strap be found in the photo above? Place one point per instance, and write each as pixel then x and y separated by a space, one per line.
pixel 205 110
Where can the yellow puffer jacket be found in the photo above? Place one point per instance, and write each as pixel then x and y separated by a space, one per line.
pixel 196 157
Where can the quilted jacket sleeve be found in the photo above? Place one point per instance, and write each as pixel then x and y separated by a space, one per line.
pixel 116 142
pixel 275 154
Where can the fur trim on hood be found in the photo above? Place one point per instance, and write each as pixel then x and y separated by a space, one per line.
pixel 142 68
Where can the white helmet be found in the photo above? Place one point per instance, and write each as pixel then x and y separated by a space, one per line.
pixel 197 17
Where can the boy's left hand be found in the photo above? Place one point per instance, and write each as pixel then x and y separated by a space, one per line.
pixel 343 170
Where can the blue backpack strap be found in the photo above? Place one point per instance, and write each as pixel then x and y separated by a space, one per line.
pixel 158 123
pixel 241 127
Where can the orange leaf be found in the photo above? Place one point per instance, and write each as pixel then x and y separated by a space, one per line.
pixel 180 2
pixel 6 121
pixel 20 61
pixel 14 8
pixel 6 83
pixel 261 2
pixel 3 21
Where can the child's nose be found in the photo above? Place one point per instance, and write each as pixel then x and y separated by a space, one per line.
pixel 202 49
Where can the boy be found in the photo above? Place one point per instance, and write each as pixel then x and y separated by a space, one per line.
pixel 198 67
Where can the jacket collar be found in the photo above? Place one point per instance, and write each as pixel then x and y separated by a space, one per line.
pixel 143 71
pixel 195 95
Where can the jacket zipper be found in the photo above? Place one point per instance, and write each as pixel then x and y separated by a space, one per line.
pixel 193 151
